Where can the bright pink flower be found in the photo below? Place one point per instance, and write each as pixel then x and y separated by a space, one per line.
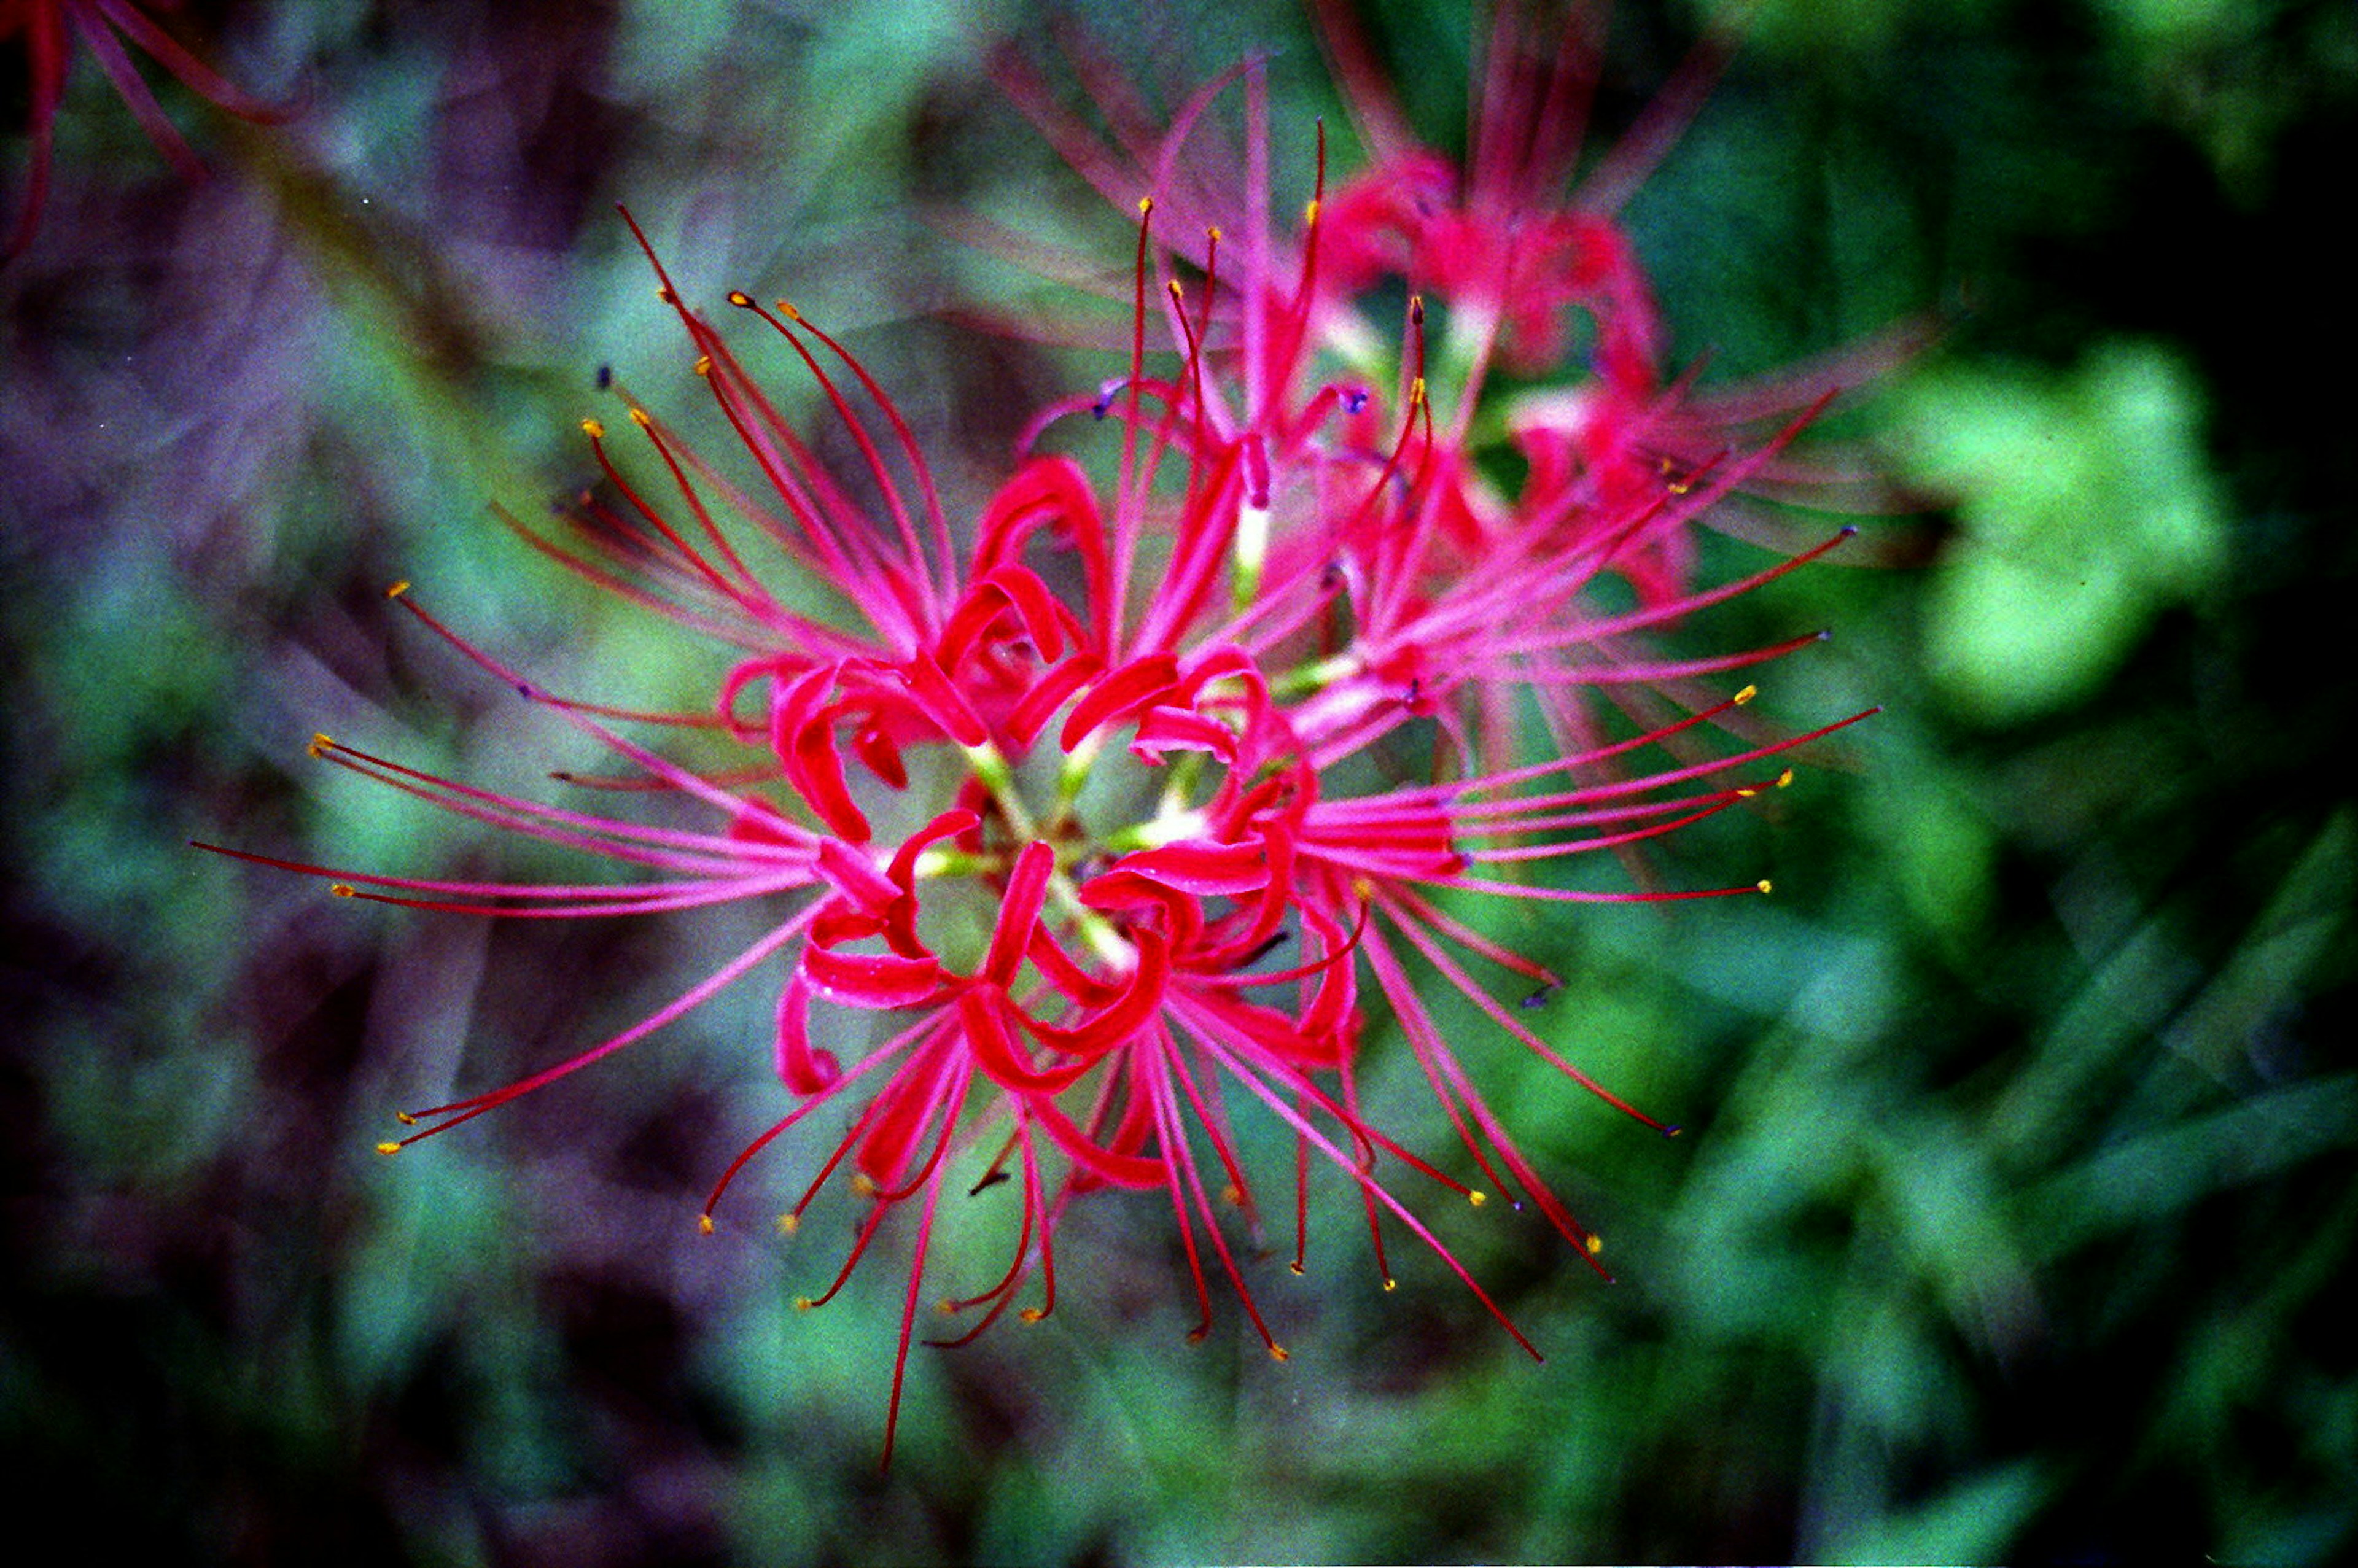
pixel 1158 777
pixel 1120 987
pixel 1511 245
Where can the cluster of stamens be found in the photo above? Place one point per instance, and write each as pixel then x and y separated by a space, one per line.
pixel 1149 723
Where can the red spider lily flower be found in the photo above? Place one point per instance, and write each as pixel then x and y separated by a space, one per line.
pixel 1155 777
pixel 996 1052
pixel 43 24
pixel 1118 664
pixel 1508 243
pixel 1521 236
pixel 1106 995
pixel 1511 246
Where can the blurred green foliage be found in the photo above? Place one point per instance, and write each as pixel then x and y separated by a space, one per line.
pixel 2015 1201
pixel 2085 510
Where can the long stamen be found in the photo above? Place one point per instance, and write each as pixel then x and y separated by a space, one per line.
pixel 728 973
pixel 933 1184
pixel 913 557
pixel 1129 501
pixel 945 552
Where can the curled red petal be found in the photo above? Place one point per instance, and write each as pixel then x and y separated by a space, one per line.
pixel 1182 914
pixel 838 923
pixel 1131 686
pixel 1136 1172
pixel 804 1068
pixel 1201 866
pixel 815 767
pixel 1067 977
pixel 943 702
pixel 982 1014
pixel 1056 490
pixel 872 981
pixel 1165 730
pixel 1003 589
pixel 1050 693
pixel 1130 1012
pixel 875 748
pixel 951 824
pixel 1019 912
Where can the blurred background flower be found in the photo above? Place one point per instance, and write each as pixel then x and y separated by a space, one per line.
pixel 2016 1191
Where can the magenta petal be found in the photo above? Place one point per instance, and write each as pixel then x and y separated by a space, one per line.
pixel 1198 866
pixel 983 1011
pixel 1019 912
pixel 872 981
pixel 804 1068
pixel 1129 1013
pixel 1182 729
pixel 943 702
pixel 1132 685
pixel 855 876
pixel 1136 1172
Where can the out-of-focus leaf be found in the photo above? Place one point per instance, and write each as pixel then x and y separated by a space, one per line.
pixel 2163 1173
pixel 1978 1521
pixel 2088 507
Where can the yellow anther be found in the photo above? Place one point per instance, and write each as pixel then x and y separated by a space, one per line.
pixel 344 889
pixel 1145 205
pixel 1213 233
pixel 1595 1244
pixel 739 299
pixel 388 1148
pixel 664 292
pixel 1278 1352
pixel 703 364
pixel 1746 792
pixel 594 429
pixel 1310 210
pixel 1029 1314
pixel 1746 695
pixel 946 1307
pixel 788 306
pixel 1785 778
pixel 1176 292
pixel 641 418
pixel 321 746
pixel 789 1223
pixel 1297 1268
pixel 864 1185
pixel 1416 392
pixel 397 589
pixel 404 1117
pixel 804 1304
pixel 1477 1197
pixel 1232 1194
pixel 704 1225
pixel 1390 1285
pixel 1764 885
